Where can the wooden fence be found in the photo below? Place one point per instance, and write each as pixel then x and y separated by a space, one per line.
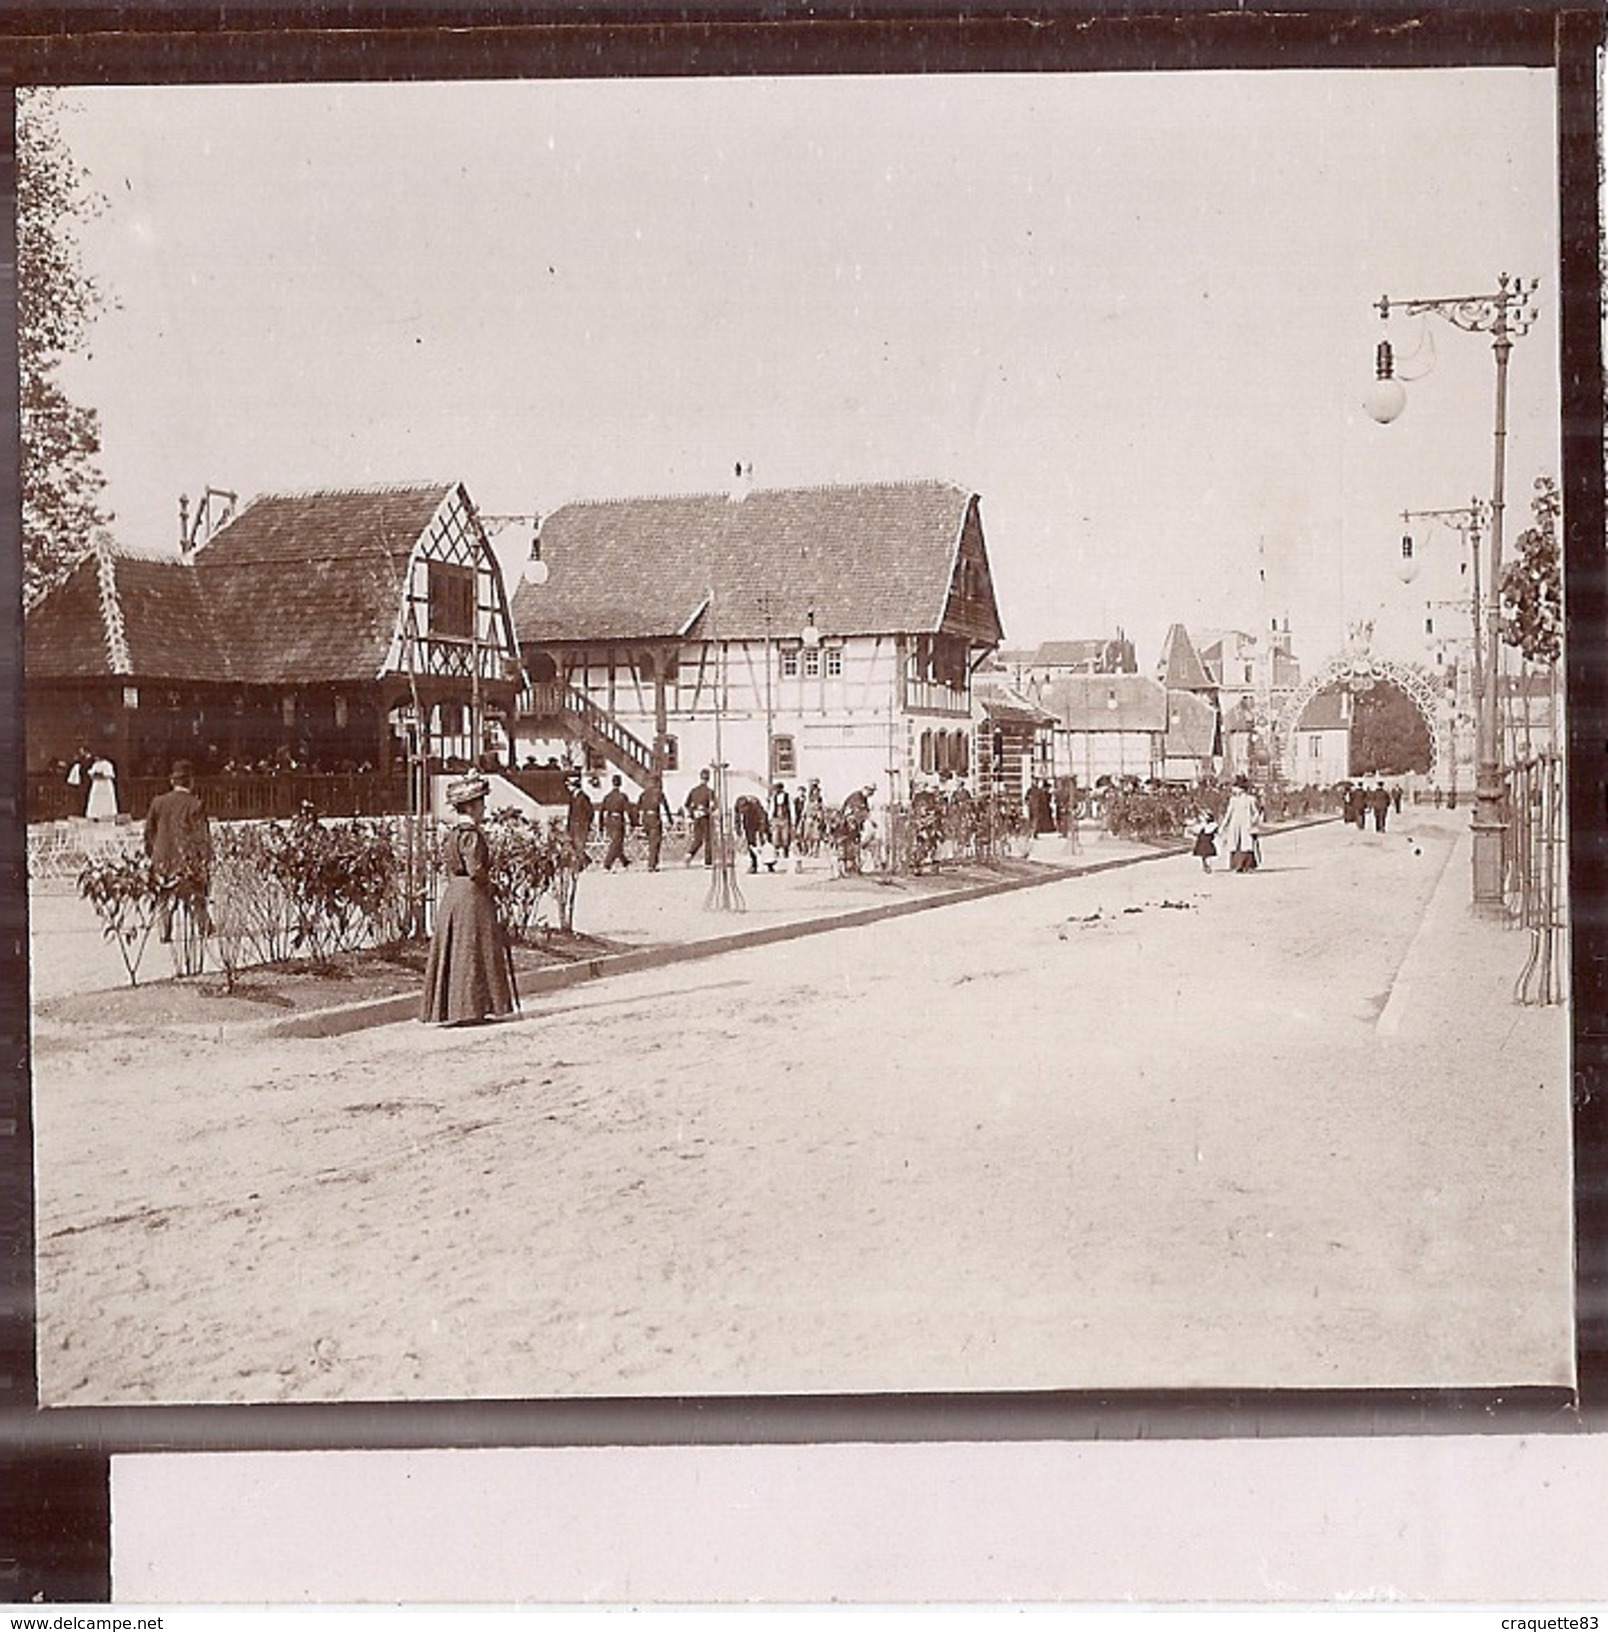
pixel 237 798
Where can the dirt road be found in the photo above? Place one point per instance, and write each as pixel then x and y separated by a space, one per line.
pixel 1141 1129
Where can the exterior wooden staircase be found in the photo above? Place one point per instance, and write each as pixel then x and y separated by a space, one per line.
pixel 583 720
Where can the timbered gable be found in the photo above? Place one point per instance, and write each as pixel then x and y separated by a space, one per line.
pixel 970 608
pixel 349 586
pixel 453 620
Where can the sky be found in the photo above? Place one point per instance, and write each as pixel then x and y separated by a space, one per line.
pixel 1133 312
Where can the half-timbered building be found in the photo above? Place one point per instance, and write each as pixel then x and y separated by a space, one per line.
pixel 790 633
pixel 329 633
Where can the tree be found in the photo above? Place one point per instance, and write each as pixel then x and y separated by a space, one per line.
pixel 1532 602
pixel 1388 734
pixel 1532 584
pixel 57 301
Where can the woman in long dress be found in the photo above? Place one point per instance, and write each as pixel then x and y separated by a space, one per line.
pixel 466 979
pixel 102 804
pixel 1238 831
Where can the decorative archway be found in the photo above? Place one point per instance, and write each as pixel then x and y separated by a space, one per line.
pixel 1351 667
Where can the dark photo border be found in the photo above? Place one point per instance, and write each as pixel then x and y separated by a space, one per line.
pixel 54 1503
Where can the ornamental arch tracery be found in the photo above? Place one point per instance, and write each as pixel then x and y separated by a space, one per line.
pixel 1362 670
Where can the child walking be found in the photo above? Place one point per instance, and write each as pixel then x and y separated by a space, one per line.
pixel 1205 831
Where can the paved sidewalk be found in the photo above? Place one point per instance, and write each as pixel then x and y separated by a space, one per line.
pixel 660 916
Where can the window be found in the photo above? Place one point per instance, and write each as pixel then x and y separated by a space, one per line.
pixel 670 752
pixel 834 661
pixel 926 753
pixel 784 762
pixel 1316 747
pixel 450 719
pixel 812 662
pixel 452 600
pixel 790 663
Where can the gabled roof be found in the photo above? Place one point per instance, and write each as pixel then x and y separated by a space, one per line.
pixel 1107 656
pixel 1327 711
pixel 1107 702
pixel 331 566
pixel 1004 703
pixel 122 615
pixel 300 588
pixel 865 559
pixel 1191 727
pixel 1180 668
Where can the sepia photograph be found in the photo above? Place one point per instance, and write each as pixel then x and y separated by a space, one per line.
pixel 771 736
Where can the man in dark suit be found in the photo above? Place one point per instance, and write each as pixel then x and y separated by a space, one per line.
pixel 580 820
pixel 700 802
pixel 653 811
pixel 616 814
pixel 178 840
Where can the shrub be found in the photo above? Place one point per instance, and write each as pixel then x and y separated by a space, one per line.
pixel 127 897
pixel 530 861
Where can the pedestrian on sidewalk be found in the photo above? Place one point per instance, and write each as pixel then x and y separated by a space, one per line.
pixel 178 840
pixel 653 811
pixel 1205 845
pixel 700 802
pixel 811 817
pixel 616 816
pixel 1240 822
pixel 102 803
pixel 781 819
pixel 1379 804
pixel 752 826
pixel 467 977
pixel 579 823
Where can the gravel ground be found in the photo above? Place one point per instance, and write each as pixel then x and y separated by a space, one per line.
pixel 1142 1129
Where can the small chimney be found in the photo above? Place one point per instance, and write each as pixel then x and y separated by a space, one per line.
pixel 186 542
pixel 742 482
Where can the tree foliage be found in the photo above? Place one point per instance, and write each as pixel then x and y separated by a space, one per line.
pixel 1388 734
pixel 1532 584
pixel 57 302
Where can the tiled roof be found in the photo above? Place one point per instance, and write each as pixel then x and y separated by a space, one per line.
pixel 330 566
pixel 298 587
pixel 1328 711
pixel 122 615
pixel 1111 656
pixel 865 559
pixel 1108 702
pixel 1001 702
pixel 1191 726
pixel 1180 668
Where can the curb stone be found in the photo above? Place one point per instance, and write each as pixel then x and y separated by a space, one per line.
pixel 385 1011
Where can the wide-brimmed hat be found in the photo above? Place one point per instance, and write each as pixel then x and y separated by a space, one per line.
pixel 466 789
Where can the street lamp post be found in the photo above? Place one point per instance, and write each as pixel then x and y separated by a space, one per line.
pixel 1505 316
pixel 767 612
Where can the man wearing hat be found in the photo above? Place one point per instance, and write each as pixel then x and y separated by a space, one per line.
pixel 467 977
pixel 580 819
pixel 616 814
pixel 653 811
pixel 700 803
pixel 179 842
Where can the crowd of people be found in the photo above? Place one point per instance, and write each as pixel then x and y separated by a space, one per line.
pixel 784 826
